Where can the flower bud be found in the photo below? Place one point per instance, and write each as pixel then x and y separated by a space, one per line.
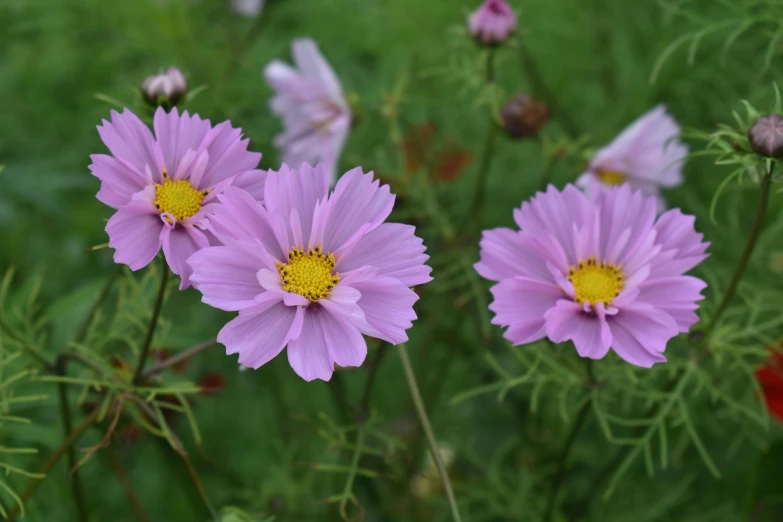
pixel 164 89
pixel 766 136
pixel 523 116
pixel 492 23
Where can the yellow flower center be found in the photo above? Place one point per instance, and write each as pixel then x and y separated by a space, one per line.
pixel 596 283
pixel 309 274
pixel 179 198
pixel 611 177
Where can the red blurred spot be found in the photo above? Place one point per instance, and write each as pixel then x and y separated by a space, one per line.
pixel 770 377
pixel 452 162
pixel 211 383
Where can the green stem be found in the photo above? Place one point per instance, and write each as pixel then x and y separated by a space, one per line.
pixel 489 148
pixel 53 459
pixel 541 89
pixel 145 350
pixel 122 477
pixel 175 359
pixel 348 489
pixel 766 183
pixel 425 424
pixel 560 474
pixel 65 412
pixel 97 304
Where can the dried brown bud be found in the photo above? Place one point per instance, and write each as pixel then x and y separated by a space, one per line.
pixel 766 136
pixel 523 116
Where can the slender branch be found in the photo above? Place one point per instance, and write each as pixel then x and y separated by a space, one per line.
pixel 489 148
pixel 30 350
pixel 178 358
pixel 562 460
pixel 53 459
pixel 65 412
pixel 425 424
pixel 82 331
pixel 145 350
pixel 127 486
pixel 542 90
pixel 753 236
pixel 199 486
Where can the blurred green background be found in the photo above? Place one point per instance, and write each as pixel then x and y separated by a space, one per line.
pixel 265 430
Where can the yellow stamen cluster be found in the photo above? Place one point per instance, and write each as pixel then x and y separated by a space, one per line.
pixel 611 177
pixel 596 282
pixel 309 274
pixel 179 198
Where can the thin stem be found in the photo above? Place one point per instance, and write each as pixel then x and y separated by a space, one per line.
pixel 542 90
pixel 425 424
pixel 369 384
pixel 199 486
pixel 127 486
pixel 65 412
pixel 178 358
pixel 348 489
pixel 489 148
pixel 766 183
pixel 145 350
pixel 562 460
pixel 53 459
pixel 97 304
pixel 30 350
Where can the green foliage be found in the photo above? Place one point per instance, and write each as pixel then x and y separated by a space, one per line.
pixel 688 440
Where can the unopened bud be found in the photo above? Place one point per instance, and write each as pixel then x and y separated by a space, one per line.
pixel 492 23
pixel 766 136
pixel 523 116
pixel 164 89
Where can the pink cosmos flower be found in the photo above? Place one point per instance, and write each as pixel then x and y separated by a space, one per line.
pixel 315 112
pixel 310 270
pixel 648 155
pixel 602 273
pixel 493 22
pixel 162 185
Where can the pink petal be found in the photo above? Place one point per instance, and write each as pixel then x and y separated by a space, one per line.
pixel 226 276
pixel 388 307
pixel 675 295
pixel 177 134
pixel 508 253
pixel 588 330
pixel 119 181
pixel 393 250
pixel 130 140
pixel 357 204
pixel 179 243
pixel 315 67
pixel 252 182
pixel 134 233
pixel 298 190
pixel 325 340
pixel 239 217
pixel 524 315
pixel 640 334
pixel 228 155
pixel 259 333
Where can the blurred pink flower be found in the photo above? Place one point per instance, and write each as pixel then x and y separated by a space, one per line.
pixel 162 185
pixel 311 270
pixel 168 87
pixel 603 273
pixel 248 8
pixel 648 155
pixel 493 22
pixel 316 115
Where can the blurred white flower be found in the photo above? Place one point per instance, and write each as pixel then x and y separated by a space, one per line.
pixel 248 8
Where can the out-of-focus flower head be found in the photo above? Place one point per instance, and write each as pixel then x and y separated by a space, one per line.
pixel 248 8
pixel 523 116
pixel 648 155
pixel 163 186
pixel 165 89
pixel 492 23
pixel 316 114
pixel 311 270
pixel 766 136
pixel 602 273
